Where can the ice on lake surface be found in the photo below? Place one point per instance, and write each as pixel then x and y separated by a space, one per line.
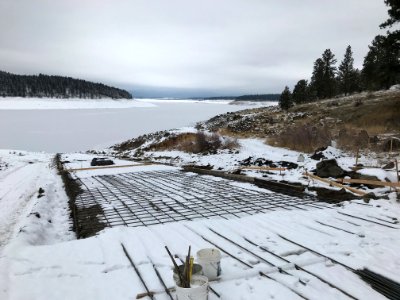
pixel 62 130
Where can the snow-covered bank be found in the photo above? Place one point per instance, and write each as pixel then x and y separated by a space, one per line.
pixel 251 149
pixel 18 103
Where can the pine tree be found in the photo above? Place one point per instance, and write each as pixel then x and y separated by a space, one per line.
pixel 347 76
pixel 317 79
pixel 394 13
pixel 382 62
pixel 329 80
pixel 300 92
pixel 285 100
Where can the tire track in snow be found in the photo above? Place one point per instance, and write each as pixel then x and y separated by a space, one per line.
pixel 18 190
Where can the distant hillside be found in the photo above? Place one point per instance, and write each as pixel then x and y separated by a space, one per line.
pixel 12 85
pixel 261 97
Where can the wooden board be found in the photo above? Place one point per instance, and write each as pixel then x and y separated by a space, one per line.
pixel 263 168
pixel 333 183
pixel 369 182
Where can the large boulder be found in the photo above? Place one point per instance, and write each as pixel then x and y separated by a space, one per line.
pixel 329 168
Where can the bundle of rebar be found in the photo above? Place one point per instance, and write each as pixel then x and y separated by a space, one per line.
pixel 387 287
pixel 185 276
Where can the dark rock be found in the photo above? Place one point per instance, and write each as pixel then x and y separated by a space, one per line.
pixel 370 196
pixel 329 168
pixel 207 167
pixel 288 164
pixel 262 162
pixel 237 172
pixel 37 215
pixel 389 165
pixel 41 191
pixel 333 196
pixel 101 162
pixel 355 175
pixel 318 154
pixel 246 162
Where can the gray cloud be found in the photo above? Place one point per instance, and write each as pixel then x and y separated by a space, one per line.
pixel 208 46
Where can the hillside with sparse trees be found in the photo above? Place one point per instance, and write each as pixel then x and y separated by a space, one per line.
pixel 381 68
pixel 12 85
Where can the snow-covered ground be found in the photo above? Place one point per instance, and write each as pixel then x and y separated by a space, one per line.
pixel 229 160
pixel 96 268
pixel 39 219
pixel 41 259
pixel 79 163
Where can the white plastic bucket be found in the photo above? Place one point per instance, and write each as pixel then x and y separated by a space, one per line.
pixel 197 291
pixel 210 260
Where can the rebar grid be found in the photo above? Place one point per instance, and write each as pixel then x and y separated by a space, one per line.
pixel 158 197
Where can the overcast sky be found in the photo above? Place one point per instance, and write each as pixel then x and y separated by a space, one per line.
pixel 183 47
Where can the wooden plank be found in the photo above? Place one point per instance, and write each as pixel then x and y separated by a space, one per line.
pixel 369 182
pixel 333 183
pixel 263 168
pixel 109 167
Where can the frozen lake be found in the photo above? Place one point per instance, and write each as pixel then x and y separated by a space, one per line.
pixel 68 130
